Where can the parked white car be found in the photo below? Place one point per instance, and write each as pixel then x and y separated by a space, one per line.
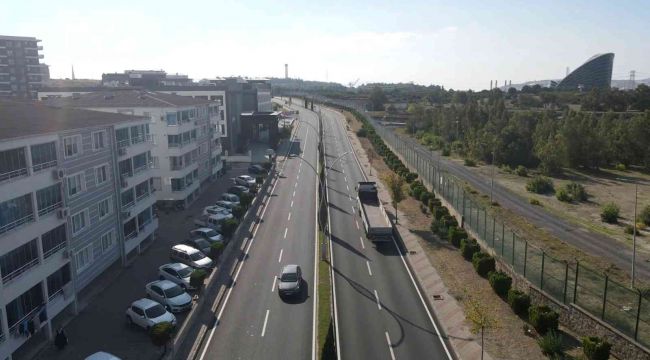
pixel 190 256
pixel 227 204
pixel 217 210
pixel 102 355
pixel 169 294
pixel 230 197
pixel 146 313
pixel 208 234
pixel 245 180
pixel 177 273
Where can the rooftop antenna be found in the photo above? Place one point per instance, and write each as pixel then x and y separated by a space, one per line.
pixel 286 71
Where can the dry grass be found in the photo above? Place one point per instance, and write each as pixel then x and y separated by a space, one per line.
pixel 507 340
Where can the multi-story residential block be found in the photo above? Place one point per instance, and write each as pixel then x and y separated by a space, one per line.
pixel 187 150
pixel 145 78
pixel 20 70
pixel 62 220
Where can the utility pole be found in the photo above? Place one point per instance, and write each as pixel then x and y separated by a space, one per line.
pixel 636 188
pixel 492 182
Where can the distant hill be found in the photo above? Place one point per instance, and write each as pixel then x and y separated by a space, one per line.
pixel 621 84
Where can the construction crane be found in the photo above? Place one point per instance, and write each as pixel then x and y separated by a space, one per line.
pixel 354 83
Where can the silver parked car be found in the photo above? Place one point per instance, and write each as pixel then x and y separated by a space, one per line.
pixel 169 294
pixel 208 234
pixel 146 313
pixel 177 273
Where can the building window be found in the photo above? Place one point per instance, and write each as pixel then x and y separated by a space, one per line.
pixel 79 221
pixel 53 241
pixel 122 137
pixel 57 281
pixel 221 115
pixel 223 129
pixel 101 174
pixel 177 184
pixel 16 212
pixel 99 140
pixel 76 184
pixel 104 208
pixel 172 119
pixel 19 260
pixel 12 164
pixel 83 258
pixel 49 199
pixel 107 241
pixel 72 146
pixel 24 305
pixel 127 198
pixel 43 156
pixel 140 162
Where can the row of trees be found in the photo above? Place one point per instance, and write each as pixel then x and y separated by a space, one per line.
pixel 487 132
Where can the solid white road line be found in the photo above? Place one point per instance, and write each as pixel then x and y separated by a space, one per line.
pixel 275 278
pixel 294 193
pixel 390 346
pixel 296 185
pixel 280 258
pixel 356 222
pixel 362 245
pixel 289 218
pixel 369 271
pixel 266 318
pixel 285 232
pixel 291 203
pixel 377 298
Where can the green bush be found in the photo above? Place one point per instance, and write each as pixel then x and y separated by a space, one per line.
pixel 455 235
pixel 543 318
pixel 540 185
pixel 563 195
pixel 629 229
pixel 620 167
pixel 228 227
pixel 446 151
pixel 644 217
pixel 576 191
pixel 483 263
pixel 469 247
pixel 362 132
pixel 246 199
pixel 216 249
pixel 161 333
pixel 521 171
pixel 433 203
pixel 439 212
pixel 610 213
pixel 197 277
pixel 519 301
pixel 425 196
pixel 435 225
pixel 238 211
pixel 500 282
pixel 595 348
pixel 410 177
pixel 470 162
pixel 551 344
pixel 535 202
pixel 417 191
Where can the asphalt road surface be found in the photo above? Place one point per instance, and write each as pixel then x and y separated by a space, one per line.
pixel 379 312
pixel 253 322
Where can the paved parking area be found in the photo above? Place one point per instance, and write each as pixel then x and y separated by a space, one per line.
pixel 101 325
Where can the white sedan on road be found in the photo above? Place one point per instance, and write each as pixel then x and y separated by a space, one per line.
pixel 169 294
pixel 146 313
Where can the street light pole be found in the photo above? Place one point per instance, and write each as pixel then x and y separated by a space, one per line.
pixel 492 181
pixel 636 187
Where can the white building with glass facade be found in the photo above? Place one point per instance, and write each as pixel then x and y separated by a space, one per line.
pixel 62 222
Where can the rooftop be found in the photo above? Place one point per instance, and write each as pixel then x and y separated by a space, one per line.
pixel 18 38
pixel 26 118
pixel 106 98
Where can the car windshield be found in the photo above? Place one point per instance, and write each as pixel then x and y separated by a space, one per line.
pixel 185 272
pixel 155 311
pixel 196 256
pixel 211 233
pixel 173 291
pixel 289 277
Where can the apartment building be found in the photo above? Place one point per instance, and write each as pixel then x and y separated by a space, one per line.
pixel 20 70
pixel 62 222
pixel 187 149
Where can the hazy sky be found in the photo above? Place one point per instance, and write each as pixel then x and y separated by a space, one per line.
pixel 458 44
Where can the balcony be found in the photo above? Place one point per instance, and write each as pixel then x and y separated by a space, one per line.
pixel 18 173
pixel 17 223
pixel 49 209
pixel 8 278
pixel 134 146
pixel 43 166
pixel 133 240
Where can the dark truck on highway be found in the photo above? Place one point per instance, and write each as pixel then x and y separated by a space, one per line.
pixel 375 221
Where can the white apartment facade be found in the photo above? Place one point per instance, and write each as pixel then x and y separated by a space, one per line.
pixel 60 219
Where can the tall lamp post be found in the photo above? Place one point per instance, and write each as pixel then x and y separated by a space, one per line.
pixel 636 191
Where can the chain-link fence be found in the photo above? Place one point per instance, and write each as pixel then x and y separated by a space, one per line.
pixel 625 309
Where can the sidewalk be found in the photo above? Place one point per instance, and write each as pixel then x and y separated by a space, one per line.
pixel 447 310
pixel 101 324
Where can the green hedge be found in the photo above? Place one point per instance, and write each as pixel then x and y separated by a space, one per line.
pixel 543 318
pixel 483 263
pixel 500 282
pixel 595 348
pixel 455 235
pixel 519 302
pixel 469 247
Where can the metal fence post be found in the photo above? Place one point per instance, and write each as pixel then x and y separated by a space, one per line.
pixel 470 213
pixel 605 296
pixel 485 225
pixel 494 229
pixel 541 277
pixel 575 285
pixel 566 280
pixel 638 315
pixel 525 256
pixel 503 236
pixel 513 250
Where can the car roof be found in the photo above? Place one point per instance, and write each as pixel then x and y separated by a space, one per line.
pixel 102 355
pixel 245 177
pixel 163 284
pixel 144 303
pixel 184 248
pixel 203 229
pixel 194 240
pixel 290 269
pixel 175 266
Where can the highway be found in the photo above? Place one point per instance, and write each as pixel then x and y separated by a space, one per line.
pixel 253 322
pixel 379 312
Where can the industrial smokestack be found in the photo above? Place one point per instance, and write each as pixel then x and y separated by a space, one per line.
pixel 490 84
pixel 286 71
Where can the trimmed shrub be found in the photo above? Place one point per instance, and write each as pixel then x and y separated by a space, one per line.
pixel 563 195
pixel 267 166
pixel 238 211
pixel 197 277
pixel 449 221
pixel 435 225
pixel 576 191
pixel 417 191
pixel 521 171
pixel 161 333
pixel 433 202
pixel 629 229
pixel 610 213
pixel 620 167
pixel 595 348
pixel 469 247
pixel 215 250
pixel 535 202
pixel 410 177
pixel 246 199
pixel 425 196
pixel 644 217
pixel 439 212
pixel 519 301
pixel 470 162
pixel 543 318
pixel 446 151
pixel 362 132
pixel 455 235
pixel 500 282
pixel 540 185
pixel 229 226
pixel 551 344
pixel 483 263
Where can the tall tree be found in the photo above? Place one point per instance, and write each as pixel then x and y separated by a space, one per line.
pixel 395 185
pixel 377 99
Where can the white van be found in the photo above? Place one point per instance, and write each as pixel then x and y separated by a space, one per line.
pixel 190 256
